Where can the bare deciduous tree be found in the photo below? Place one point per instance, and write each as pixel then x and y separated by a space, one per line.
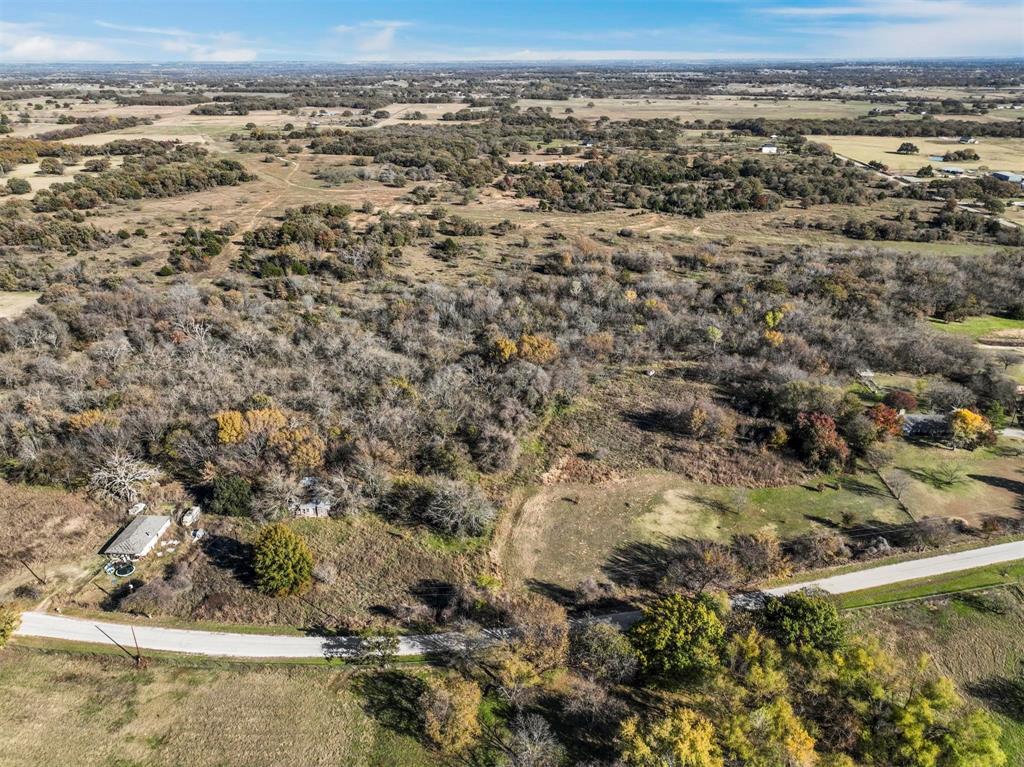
pixel 122 477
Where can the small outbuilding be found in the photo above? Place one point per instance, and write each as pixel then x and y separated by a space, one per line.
pixel 925 425
pixel 1005 175
pixel 769 149
pixel 137 538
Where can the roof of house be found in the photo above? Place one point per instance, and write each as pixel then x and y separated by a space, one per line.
pixel 1006 175
pixel 139 535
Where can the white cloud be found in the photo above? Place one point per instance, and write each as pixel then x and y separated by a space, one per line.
pixel 910 28
pixel 194 46
pixel 29 42
pixel 375 37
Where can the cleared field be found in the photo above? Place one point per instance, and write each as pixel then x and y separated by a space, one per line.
pixel 50 534
pixel 985 326
pixel 995 153
pixel 30 173
pixel 564 533
pixel 63 709
pixel 977 639
pixel 705 108
pixel 13 303
pixel 363 565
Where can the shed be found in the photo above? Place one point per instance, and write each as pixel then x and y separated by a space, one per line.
pixel 769 149
pixel 925 425
pixel 313 500
pixel 1005 175
pixel 137 538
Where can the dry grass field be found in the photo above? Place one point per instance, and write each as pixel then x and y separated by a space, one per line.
pixel 995 153
pixel 705 108
pixel 109 713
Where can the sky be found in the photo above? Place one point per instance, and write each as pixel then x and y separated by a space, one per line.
pixel 508 30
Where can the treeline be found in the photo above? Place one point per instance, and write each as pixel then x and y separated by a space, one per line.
pixel 443 381
pixel 866 127
pixel 316 239
pixel 184 170
pixel 86 125
pixel 159 99
pixel 693 187
pixel 18 226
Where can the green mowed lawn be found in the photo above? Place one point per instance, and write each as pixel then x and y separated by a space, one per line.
pixel 976 328
pixel 977 639
pixel 1001 574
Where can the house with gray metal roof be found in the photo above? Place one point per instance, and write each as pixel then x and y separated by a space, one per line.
pixel 138 538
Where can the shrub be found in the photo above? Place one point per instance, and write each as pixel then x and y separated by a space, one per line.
pixel 18 186
pixel 678 636
pixel 888 422
pixel 9 622
pixel 819 442
pixel 281 561
pixel 898 399
pixel 457 508
pixel 537 349
pixel 803 620
pixel 703 419
pixel 971 429
pixel 51 166
pixel 231 496
pixel 450 707
pixel 599 650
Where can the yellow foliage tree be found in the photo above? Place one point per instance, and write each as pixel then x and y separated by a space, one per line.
pixel 684 738
pixel 230 427
pixel 503 349
pixel 970 429
pixel 89 418
pixel 450 709
pixel 537 349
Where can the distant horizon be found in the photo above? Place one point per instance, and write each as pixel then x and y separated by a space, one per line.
pixel 515 63
pixel 530 31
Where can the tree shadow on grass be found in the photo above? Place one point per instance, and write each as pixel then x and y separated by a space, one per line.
pixel 1015 486
pixel 860 487
pixel 658 421
pixel 575 601
pixel 231 555
pixel 641 563
pixel 1003 694
pixel 392 698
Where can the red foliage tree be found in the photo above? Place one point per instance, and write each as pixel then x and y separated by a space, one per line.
pixel 898 399
pixel 888 421
pixel 819 442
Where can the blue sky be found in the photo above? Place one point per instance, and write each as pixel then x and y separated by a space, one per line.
pixel 510 30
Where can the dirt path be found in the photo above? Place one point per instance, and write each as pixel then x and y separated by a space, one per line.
pixel 222 262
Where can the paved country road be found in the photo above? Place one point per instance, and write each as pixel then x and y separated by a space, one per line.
pixel 224 644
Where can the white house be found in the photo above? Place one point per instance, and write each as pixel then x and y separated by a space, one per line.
pixel 138 538
pixel 769 149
